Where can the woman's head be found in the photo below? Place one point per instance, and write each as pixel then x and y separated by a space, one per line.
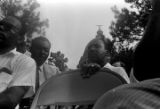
pixel 97 51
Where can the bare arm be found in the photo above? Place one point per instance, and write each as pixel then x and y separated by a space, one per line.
pixel 12 96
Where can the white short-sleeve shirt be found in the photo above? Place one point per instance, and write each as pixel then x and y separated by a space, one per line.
pixel 17 69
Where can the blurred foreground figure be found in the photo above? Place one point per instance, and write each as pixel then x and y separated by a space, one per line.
pixel 17 71
pixel 145 94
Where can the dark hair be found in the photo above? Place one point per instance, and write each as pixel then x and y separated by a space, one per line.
pixel 40 38
pixel 108 44
pixel 14 21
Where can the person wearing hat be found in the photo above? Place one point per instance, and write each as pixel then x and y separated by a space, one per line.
pixel 17 71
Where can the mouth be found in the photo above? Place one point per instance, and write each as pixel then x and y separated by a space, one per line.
pixel 42 57
pixel 92 54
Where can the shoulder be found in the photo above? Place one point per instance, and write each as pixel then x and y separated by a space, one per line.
pixel 51 68
pixel 26 58
pixel 137 95
pixel 113 68
pixel 49 65
pixel 22 59
pixel 118 70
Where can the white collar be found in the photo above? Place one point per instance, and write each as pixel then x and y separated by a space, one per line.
pixel 13 51
pixel 108 65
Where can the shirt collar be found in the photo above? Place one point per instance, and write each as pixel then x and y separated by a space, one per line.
pixel 41 67
pixel 13 51
pixel 108 65
pixel 10 52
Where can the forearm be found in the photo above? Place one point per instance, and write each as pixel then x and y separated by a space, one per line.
pixel 5 102
pixel 12 96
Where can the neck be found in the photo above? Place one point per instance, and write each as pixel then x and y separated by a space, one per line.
pixel 103 64
pixel 39 64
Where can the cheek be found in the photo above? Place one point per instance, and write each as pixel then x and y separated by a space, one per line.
pixel 47 54
pixel 107 58
pixel 102 51
pixel 35 53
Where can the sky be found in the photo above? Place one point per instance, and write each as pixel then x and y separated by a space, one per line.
pixel 73 23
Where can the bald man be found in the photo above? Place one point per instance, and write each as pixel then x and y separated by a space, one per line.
pixel 17 71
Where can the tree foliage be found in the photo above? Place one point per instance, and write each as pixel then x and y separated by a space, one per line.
pixel 27 12
pixel 129 24
pixel 128 27
pixel 59 60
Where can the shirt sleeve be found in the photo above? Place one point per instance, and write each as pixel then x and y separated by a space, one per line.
pixel 24 71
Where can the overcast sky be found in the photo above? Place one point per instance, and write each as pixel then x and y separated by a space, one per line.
pixel 73 23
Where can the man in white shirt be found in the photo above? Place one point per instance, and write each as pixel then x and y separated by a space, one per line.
pixel 17 71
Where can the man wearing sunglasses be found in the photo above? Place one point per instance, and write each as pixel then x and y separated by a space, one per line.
pixel 17 71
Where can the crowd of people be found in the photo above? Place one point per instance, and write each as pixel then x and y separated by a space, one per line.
pixel 21 74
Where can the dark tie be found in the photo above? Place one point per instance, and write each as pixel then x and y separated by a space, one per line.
pixel 37 79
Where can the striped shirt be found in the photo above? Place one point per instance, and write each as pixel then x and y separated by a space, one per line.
pixel 143 95
pixel 17 69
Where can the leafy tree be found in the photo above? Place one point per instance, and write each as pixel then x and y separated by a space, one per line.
pixel 26 11
pixel 129 24
pixel 128 27
pixel 59 60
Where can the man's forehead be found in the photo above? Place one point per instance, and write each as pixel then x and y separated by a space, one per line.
pixel 12 21
pixel 41 43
